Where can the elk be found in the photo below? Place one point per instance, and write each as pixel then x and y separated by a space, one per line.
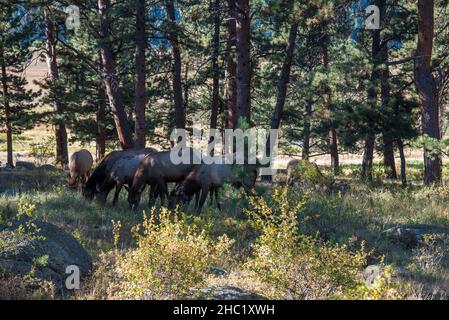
pixel 208 178
pixel 99 184
pixel 157 170
pixel 80 167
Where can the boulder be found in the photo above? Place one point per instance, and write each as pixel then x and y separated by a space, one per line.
pixel 218 271
pixel 403 236
pixel 25 165
pixel 411 235
pixel 226 293
pixel 48 167
pixel 43 248
pixel 234 293
pixel 340 187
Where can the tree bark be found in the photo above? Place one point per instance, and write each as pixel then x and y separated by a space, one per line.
pixel 231 90
pixel 368 149
pixel 283 82
pixel 101 117
pixel 215 6
pixel 8 124
pixel 426 85
pixel 333 147
pixel 306 139
pixel 243 69
pixel 403 162
pixel 388 149
pixel 62 156
pixel 111 79
pixel 332 134
pixel 180 112
pixel 140 94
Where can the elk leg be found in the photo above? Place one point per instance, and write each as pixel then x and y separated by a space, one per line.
pixel 211 196
pixel 118 188
pixel 162 191
pixel 197 199
pixel 216 199
pixel 204 192
pixel 152 195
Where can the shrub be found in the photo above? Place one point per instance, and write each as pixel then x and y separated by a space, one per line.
pixel 309 175
pixel 171 257
pixel 296 266
pixel 42 151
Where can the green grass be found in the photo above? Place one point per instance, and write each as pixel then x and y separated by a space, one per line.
pixel 358 216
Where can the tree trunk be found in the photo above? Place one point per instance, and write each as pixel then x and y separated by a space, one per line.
pixel 426 86
pixel 101 118
pixel 306 141
pixel 140 98
pixel 111 79
pixel 403 163
pixel 180 112
pixel 215 6
pixel 9 146
pixel 333 147
pixel 101 115
pixel 388 149
pixel 62 156
pixel 368 150
pixel 332 134
pixel 283 82
pixel 231 90
pixel 243 69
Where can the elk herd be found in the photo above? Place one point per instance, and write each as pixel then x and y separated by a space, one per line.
pixel 135 169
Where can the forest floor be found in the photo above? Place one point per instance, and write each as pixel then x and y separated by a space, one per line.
pixel 360 215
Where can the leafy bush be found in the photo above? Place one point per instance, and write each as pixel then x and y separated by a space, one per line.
pixel 171 257
pixel 296 266
pixel 309 175
pixel 42 151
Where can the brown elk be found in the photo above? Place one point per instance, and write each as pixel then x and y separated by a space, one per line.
pixel 121 174
pixel 208 178
pixel 291 168
pixel 80 166
pixel 156 170
pixel 99 184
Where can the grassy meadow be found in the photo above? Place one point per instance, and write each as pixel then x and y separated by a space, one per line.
pixel 161 254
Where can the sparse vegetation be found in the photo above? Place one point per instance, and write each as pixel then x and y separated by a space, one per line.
pixel 284 245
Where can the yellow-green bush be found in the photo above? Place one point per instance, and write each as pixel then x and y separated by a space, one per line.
pixel 171 257
pixel 297 266
pixel 309 174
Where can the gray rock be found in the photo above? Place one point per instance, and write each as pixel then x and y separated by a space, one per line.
pixel 234 293
pixel 218 272
pixel 411 235
pixel 25 165
pixel 48 167
pixel 404 236
pixel 340 186
pixel 225 293
pixel 19 253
